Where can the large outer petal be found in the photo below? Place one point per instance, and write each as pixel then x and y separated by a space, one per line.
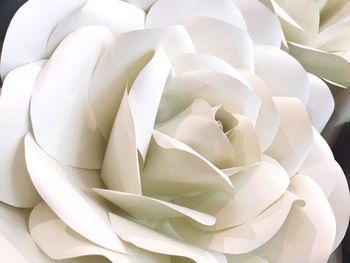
pixel 55 188
pixel 62 120
pixel 294 138
pixel 117 16
pixel 167 12
pixel 308 233
pixel 262 24
pixel 59 241
pixel 223 40
pixel 284 75
pixel 15 242
pixel 16 187
pixel 30 29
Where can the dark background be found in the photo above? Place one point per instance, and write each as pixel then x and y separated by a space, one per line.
pixel 337 132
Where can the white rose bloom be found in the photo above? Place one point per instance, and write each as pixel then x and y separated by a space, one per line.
pixel 162 131
pixel 318 35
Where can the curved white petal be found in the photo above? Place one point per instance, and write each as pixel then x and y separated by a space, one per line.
pixel 243 238
pixel 120 168
pixel 16 186
pixel 143 207
pixel 223 40
pixel 283 75
pixel 323 64
pixel 145 95
pixel 326 172
pixel 263 183
pixel 167 12
pixel 335 37
pixel 15 241
pixel 262 24
pixel 65 200
pixel 59 241
pixel 293 141
pixel 143 4
pixel 63 124
pixel 164 171
pixel 30 29
pixel 320 105
pixel 267 123
pixel 121 63
pixel 151 240
pixel 115 15
pixel 214 87
pixel 308 233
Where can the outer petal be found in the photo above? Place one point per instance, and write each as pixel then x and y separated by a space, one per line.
pixel 263 25
pixel 153 241
pixel 115 15
pixel 60 242
pixel 167 12
pixel 223 40
pixel 122 62
pixel 165 174
pixel 284 75
pixel 243 238
pixel 309 231
pixel 52 184
pixel 320 105
pixel 30 29
pixel 294 139
pixel 16 187
pixel 323 64
pixel 15 242
pixel 62 121
pixel 326 172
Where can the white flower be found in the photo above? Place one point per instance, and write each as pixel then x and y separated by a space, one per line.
pixel 320 40
pixel 178 133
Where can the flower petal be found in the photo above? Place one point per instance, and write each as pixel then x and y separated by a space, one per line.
pixel 149 83
pixel 165 174
pixel 59 241
pixel 326 172
pixel 16 186
pixel 267 123
pixel 120 168
pixel 320 105
pixel 258 18
pixel 30 29
pixel 167 12
pixel 63 124
pixel 284 75
pixel 121 63
pixel 323 64
pixel 309 231
pixel 213 87
pixel 15 242
pixel 264 183
pixel 52 183
pixel 243 238
pixel 115 15
pixel 143 207
pixel 151 240
pixel 223 40
pixel 294 138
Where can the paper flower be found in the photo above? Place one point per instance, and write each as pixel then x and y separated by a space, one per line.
pixel 174 134
pixel 320 40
